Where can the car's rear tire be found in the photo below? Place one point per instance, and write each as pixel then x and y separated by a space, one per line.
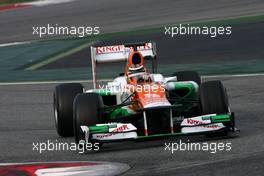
pixel 188 76
pixel 63 97
pixel 87 110
pixel 213 98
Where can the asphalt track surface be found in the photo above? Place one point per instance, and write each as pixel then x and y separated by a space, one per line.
pixel 26 110
pixel 27 117
pixel 119 15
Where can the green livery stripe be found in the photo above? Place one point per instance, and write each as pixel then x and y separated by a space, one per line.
pixel 101 128
pixel 218 118
pixel 119 112
pixel 221 118
pixel 103 92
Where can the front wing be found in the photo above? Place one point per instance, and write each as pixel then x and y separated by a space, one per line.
pixel 189 126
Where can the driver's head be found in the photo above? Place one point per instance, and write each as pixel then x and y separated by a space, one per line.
pixel 135 60
pixel 136 72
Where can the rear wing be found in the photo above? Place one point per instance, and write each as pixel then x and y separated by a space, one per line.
pixel 119 53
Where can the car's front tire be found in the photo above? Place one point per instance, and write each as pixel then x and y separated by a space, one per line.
pixel 63 97
pixel 87 110
pixel 213 98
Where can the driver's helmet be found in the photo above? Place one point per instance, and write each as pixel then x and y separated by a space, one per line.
pixel 136 72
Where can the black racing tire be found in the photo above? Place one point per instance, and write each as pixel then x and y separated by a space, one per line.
pixel 213 98
pixel 63 97
pixel 87 111
pixel 188 76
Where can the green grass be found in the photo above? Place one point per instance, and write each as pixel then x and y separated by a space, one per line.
pixel 4 2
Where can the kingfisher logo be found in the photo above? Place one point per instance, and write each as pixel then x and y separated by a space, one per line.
pixel 120 48
pixel 109 49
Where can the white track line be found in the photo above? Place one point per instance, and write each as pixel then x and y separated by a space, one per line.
pixel 13 44
pixel 105 80
pixel 47 2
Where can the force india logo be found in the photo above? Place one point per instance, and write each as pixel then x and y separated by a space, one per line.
pixel 197 122
pixel 113 132
pixel 118 48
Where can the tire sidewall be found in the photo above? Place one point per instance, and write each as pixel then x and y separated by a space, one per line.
pixel 87 110
pixel 213 98
pixel 63 96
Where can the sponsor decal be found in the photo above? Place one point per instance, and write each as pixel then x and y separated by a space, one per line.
pixel 100 136
pixel 116 133
pixel 119 129
pixel 109 49
pixel 146 46
pixel 199 120
pixel 204 128
pixel 113 136
pixel 120 48
pixel 212 126
pixel 195 122
pixel 200 124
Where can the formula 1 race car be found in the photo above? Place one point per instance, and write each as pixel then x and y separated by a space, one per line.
pixel 141 103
